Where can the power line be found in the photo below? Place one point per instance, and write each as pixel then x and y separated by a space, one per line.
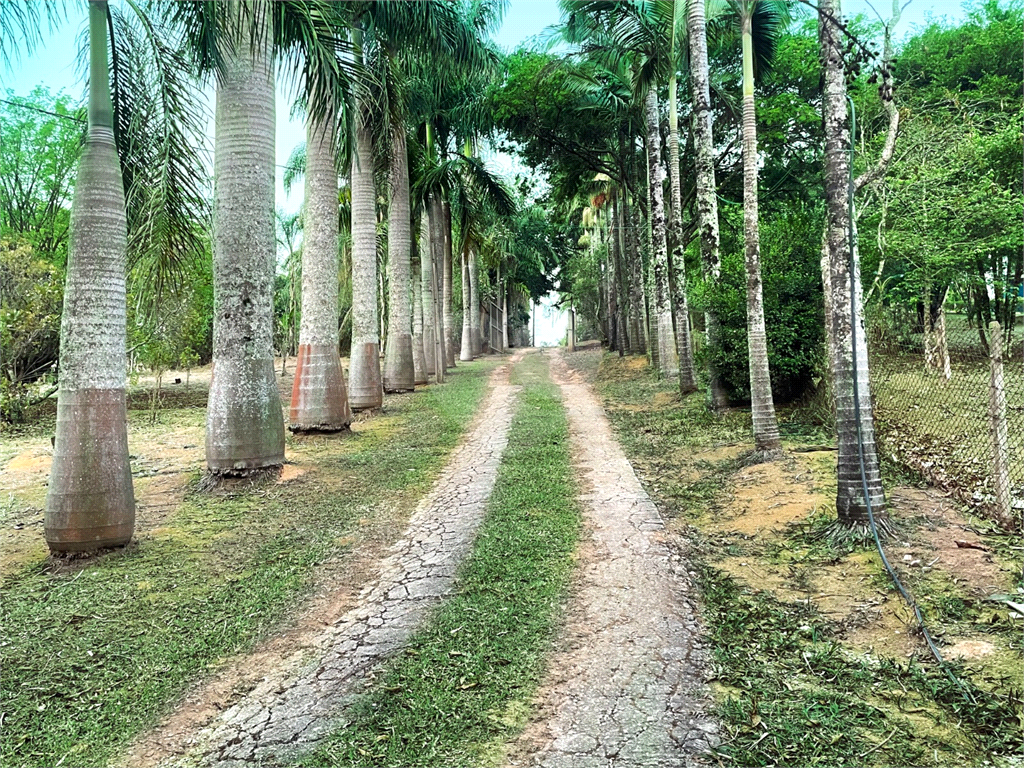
pixel 43 111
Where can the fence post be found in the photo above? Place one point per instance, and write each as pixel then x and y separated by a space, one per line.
pixel 997 423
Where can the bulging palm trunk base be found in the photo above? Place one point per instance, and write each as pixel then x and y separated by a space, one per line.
pixel 364 380
pixel 319 400
pixel 90 504
pixel 399 371
pixel 245 428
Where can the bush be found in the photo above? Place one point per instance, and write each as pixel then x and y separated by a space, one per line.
pixel 31 295
pixel 793 307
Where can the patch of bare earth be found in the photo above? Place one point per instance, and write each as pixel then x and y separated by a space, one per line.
pixel 625 683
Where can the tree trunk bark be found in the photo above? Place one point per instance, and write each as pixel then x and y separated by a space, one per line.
pixel 762 405
pixel 637 299
pixel 244 422
pixel 466 350
pixel 707 188
pixel 451 338
pixel 665 342
pixel 319 400
pixel 365 389
pixel 677 258
pixel 476 330
pixel 428 233
pixel 90 502
pixel 399 375
pixel 419 359
pixel 847 314
pixel 437 254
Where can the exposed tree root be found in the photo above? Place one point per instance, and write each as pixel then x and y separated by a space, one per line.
pixel 236 479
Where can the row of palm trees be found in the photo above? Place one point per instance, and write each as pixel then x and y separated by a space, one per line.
pixel 625 56
pixel 363 71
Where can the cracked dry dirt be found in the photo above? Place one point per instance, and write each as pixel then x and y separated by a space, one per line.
pixel 624 684
pixel 301 700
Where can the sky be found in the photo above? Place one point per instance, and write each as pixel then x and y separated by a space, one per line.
pixel 55 65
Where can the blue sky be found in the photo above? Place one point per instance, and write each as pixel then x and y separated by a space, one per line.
pixel 55 65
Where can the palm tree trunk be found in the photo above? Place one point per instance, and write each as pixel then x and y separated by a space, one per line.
pixel 637 329
pixel 466 350
pixel 844 275
pixel 476 326
pixel 427 234
pixel 677 260
pixel 666 359
pixel 90 502
pixel 451 339
pixel 439 352
pixel 707 188
pixel 437 251
pixel 319 400
pixel 399 375
pixel 244 423
pixel 766 427
pixel 618 248
pixel 365 390
pixel 419 360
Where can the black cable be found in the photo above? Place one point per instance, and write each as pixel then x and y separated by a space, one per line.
pixel 43 111
pixel 860 438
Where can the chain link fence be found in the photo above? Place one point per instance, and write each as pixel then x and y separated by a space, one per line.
pixel 949 403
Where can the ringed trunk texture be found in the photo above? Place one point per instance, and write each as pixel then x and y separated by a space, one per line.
pixel 244 423
pixel 766 426
pixel 319 400
pixel 665 341
pixel 707 187
pixel 437 253
pixel 466 350
pixel 851 506
pixel 90 502
pixel 399 375
pixel 637 321
pixel 419 360
pixel 364 378
pixel 450 336
pixel 677 257
pixel 476 323
pixel 427 293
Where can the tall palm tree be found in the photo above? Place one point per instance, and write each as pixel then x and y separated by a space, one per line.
pixel 854 413
pixel 677 262
pixel 399 373
pixel 244 423
pixel 365 380
pixel 664 351
pixel 90 501
pixel 319 400
pixel 707 188
pixel 431 231
pixel 769 17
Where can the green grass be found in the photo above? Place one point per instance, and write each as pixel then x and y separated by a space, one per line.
pixel 95 653
pixel 463 685
pixel 795 697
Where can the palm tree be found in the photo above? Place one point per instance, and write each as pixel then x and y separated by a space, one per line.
pixel 244 423
pixel 664 351
pixel 707 188
pixel 430 332
pixel 769 17
pixel 365 381
pixel 854 413
pixel 90 501
pixel 319 400
pixel 676 257
pixel 399 373
pixel 419 360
